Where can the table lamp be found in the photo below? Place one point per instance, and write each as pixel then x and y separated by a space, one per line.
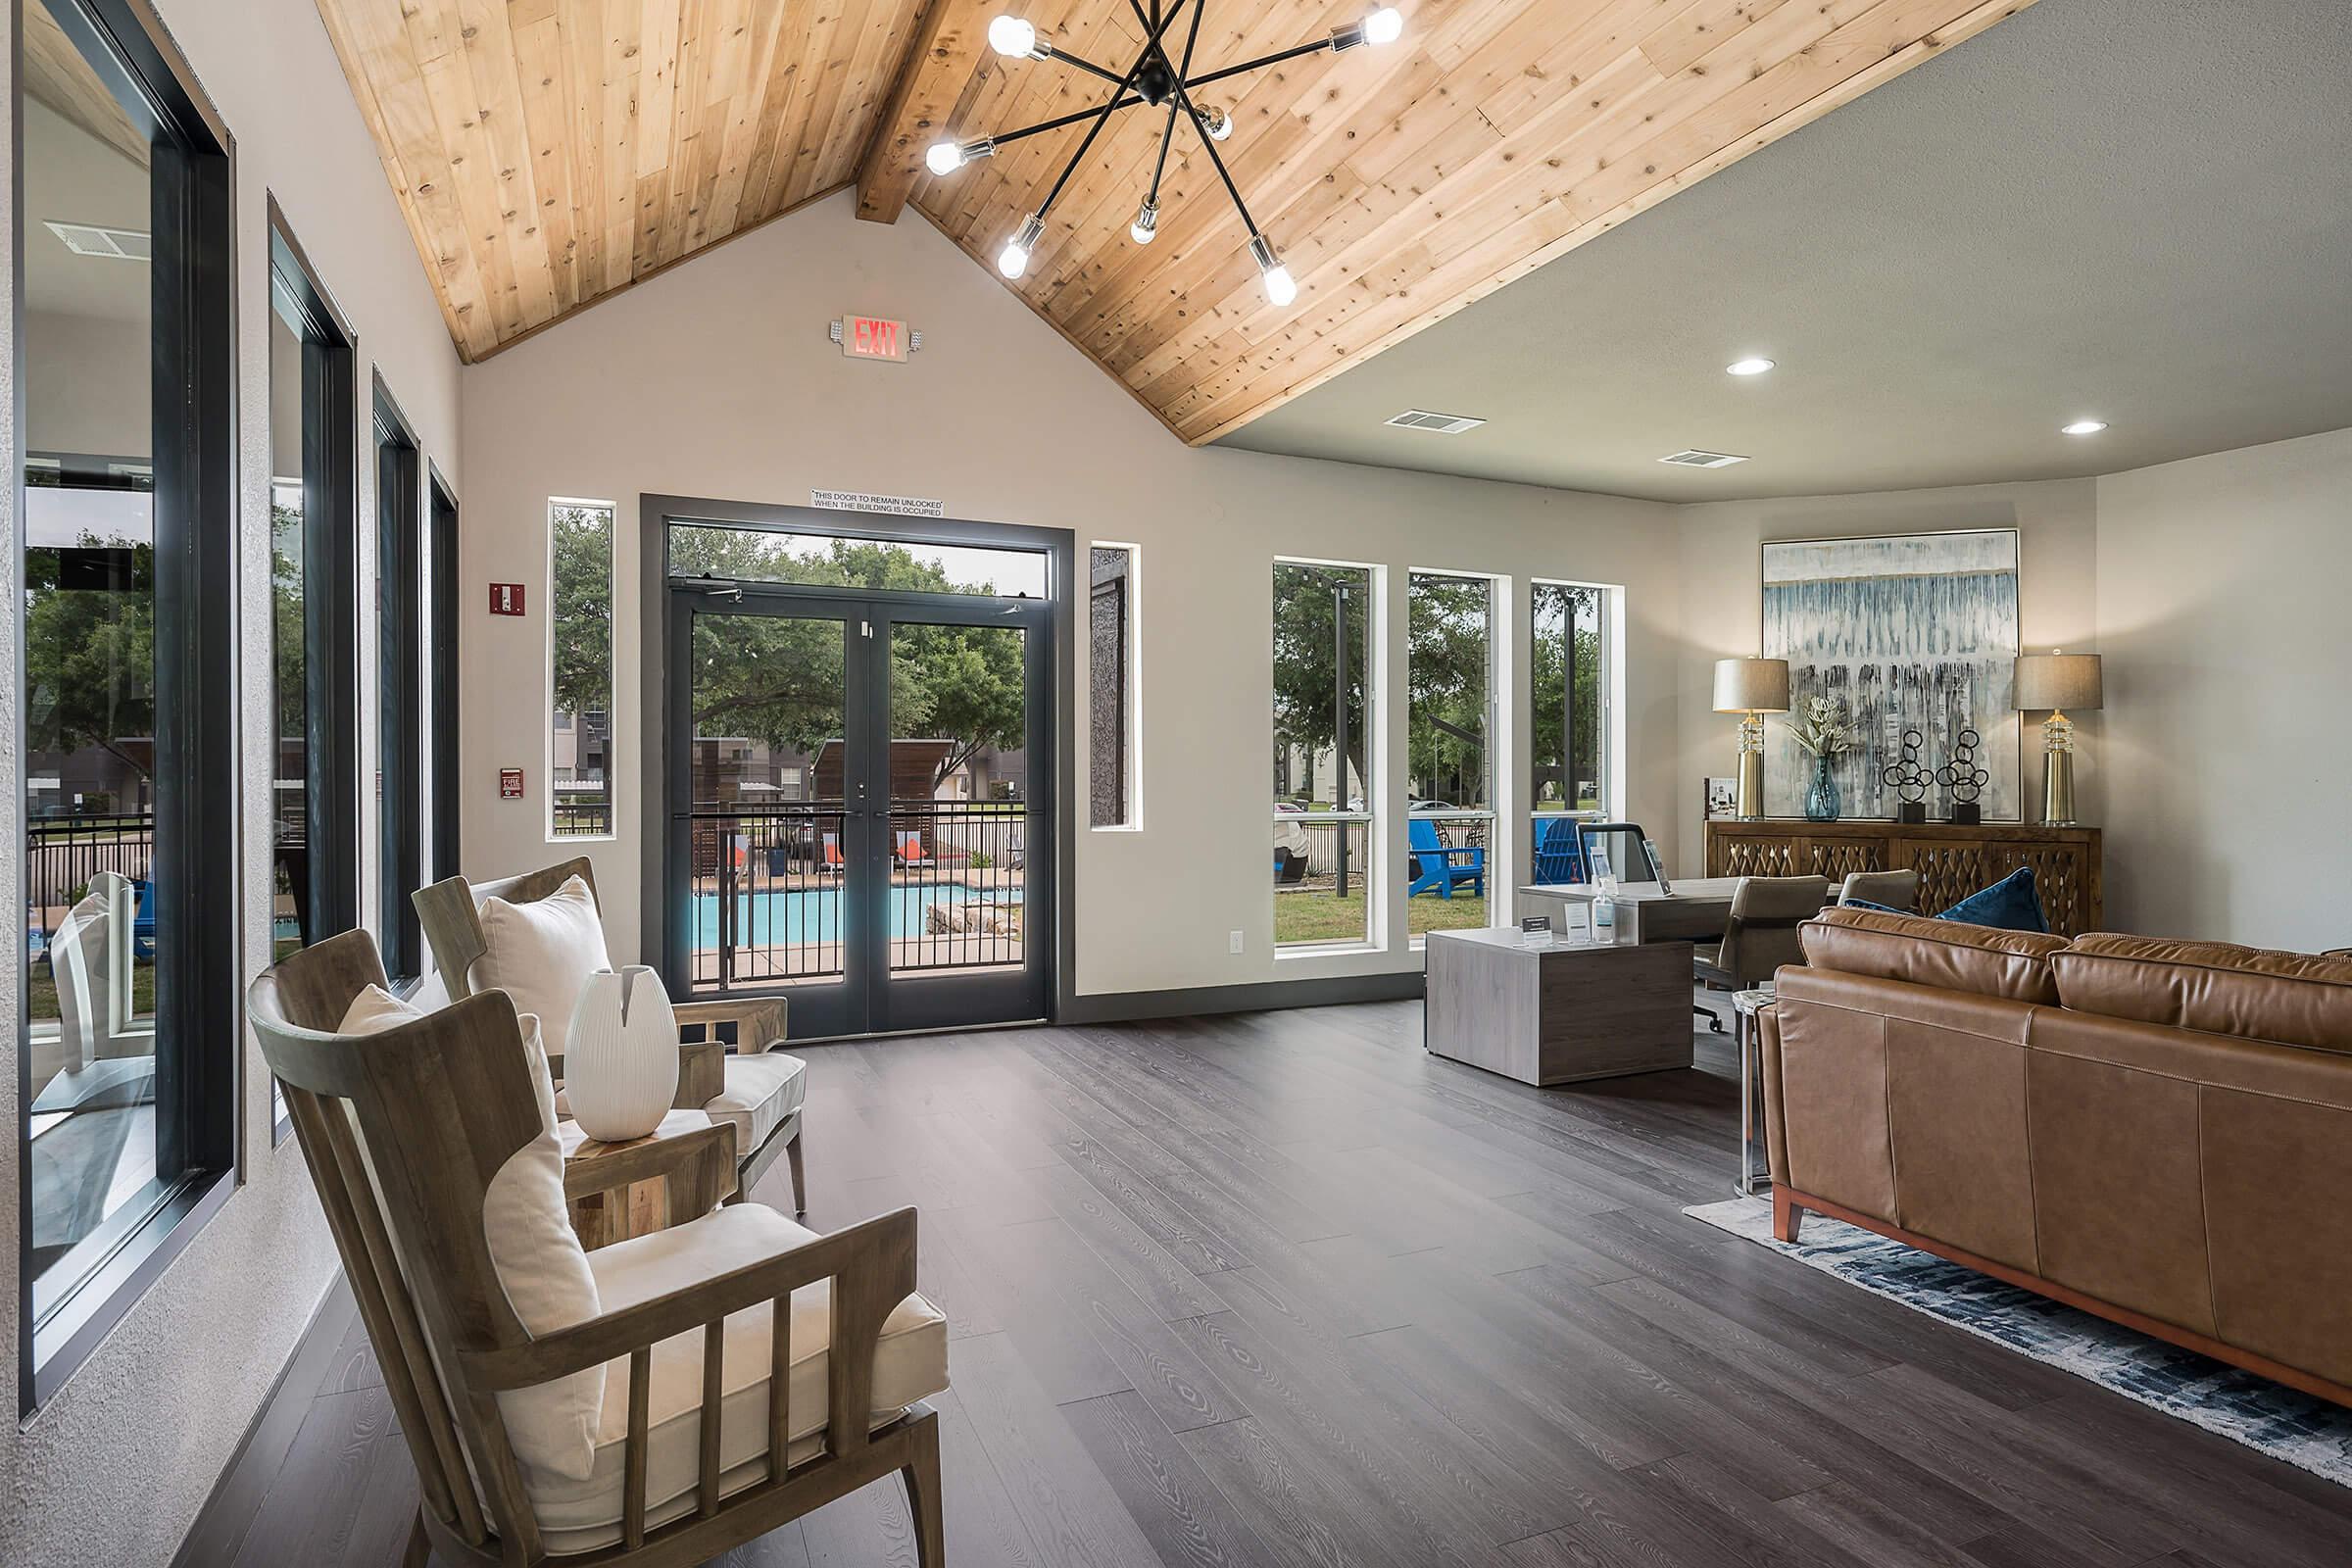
pixel 2056 681
pixel 1752 688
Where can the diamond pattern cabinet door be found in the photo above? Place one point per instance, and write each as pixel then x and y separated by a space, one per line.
pixel 1951 862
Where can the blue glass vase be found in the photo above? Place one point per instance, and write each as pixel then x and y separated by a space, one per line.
pixel 1821 801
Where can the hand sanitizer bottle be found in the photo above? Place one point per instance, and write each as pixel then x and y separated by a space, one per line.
pixel 1604 914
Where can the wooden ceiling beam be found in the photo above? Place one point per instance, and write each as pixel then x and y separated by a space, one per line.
pixel 942 56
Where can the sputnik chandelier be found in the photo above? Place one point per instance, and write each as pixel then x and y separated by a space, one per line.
pixel 1155 80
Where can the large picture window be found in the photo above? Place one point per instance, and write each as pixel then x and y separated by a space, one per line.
pixel 1110 687
pixel 399 693
pixel 1449 739
pixel 127 596
pixel 579 631
pixel 1323 746
pixel 1568 720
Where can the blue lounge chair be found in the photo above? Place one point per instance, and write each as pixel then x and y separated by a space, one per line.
pixel 1433 868
pixel 1559 853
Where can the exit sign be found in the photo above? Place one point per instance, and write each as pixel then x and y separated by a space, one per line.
pixel 870 338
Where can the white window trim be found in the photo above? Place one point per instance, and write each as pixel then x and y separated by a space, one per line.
pixel 1376 761
pixel 1499 751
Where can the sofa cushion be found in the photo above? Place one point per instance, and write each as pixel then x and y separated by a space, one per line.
pixel 2288 999
pixel 910 1363
pixel 541 953
pixel 1945 953
pixel 2009 905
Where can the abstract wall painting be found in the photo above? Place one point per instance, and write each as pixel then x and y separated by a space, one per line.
pixel 1909 631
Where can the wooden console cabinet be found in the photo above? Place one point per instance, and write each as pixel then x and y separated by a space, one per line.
pixel 1951 862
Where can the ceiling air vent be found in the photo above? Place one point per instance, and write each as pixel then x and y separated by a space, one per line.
pixel 1435 424
pixel 1695 459
pixel 91 239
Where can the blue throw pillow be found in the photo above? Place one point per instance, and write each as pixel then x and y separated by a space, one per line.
pixel 2009 905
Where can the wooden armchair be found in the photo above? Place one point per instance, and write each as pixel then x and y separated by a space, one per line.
pixel 404 1132
pixel 762 1099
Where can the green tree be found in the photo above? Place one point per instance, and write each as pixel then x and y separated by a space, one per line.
pixel 1308 697
pixel 286 631
pixel 1449 672
pixel 1559 609
pixel 581 616
pixel 780 681
pixel 89 651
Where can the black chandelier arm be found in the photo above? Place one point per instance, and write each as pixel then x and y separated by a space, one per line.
pixel 1168 135
pixel 1086 65
pixel 1119 102
pixel 1102 116
pixel 1275 59
pixel 1209 144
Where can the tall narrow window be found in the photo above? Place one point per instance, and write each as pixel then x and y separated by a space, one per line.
pixel 579 629
pixel 127 597
pixel 1567 724
pixel 313 598
pixel 443 545
pixel 1111 685
pixel 1449 763
pixel 1323 685
pixel 399 646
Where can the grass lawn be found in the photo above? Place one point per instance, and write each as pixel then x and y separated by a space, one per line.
pixel 1309 916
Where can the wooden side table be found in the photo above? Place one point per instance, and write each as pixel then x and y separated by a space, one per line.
pixel 619 1214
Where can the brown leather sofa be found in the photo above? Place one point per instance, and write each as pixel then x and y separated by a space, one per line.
pixel 2159 1132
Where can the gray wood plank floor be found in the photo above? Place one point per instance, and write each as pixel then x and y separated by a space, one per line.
pixel 1279 1289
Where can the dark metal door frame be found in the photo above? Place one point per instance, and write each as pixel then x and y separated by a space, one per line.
pixel 868 1000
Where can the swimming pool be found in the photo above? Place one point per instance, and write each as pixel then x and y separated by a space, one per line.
pixel 814 915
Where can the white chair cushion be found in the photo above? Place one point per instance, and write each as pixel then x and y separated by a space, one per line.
pixel 541 954
pixel 910 1363
pixel 762 1091
pixel 537 1255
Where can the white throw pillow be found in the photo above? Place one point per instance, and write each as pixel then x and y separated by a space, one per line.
pixel 540 1263
pixel 541 954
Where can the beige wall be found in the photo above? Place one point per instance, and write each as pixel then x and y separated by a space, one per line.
pixel 718 380
pixel 114 1468
pixel 2223 616
pixel 1722 603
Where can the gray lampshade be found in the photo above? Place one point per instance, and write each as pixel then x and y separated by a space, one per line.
pixel 1752 685
pixel 2055 680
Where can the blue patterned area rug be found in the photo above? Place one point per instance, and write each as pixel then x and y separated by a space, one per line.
pixel 2307 1433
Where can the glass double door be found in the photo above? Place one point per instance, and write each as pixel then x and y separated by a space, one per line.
pixel 861 806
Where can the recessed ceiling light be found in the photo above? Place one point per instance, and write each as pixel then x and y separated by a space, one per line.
pixel 2083 427
pixel 1747 366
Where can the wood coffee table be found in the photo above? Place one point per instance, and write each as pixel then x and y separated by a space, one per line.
pixel 1557 1013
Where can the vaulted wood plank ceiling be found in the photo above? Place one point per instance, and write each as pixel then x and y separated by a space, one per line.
pixel 548 152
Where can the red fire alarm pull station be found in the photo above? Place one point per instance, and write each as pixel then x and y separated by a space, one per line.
pixel 510 783
pixel 506 599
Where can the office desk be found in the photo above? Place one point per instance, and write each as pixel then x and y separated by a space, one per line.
pixel 1695 911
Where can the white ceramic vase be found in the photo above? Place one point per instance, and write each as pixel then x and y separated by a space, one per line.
pixel 620 1056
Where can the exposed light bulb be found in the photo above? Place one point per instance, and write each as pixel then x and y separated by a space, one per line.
pixel 2083 427
pixel 1012 37
pixel 1013 259
pixel 1215 124
pixel 1146 225
pixel 1385 26
pixel 944 158
pixel 1281 287
pixel 1752 367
